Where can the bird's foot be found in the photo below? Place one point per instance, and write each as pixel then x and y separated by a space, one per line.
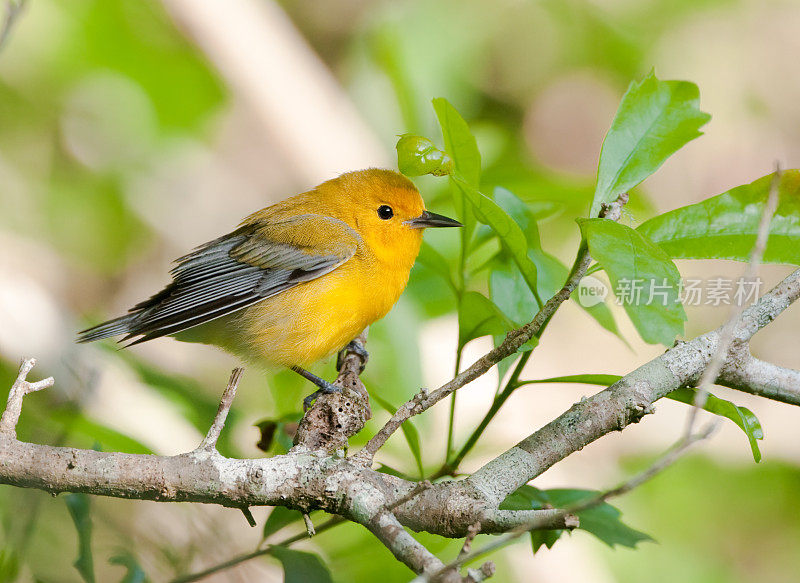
pixel 355 347
pixel 326 388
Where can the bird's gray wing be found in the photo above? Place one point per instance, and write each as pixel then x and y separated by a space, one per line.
pixel 235 271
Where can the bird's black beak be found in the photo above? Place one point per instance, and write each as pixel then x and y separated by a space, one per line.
pixel 429 219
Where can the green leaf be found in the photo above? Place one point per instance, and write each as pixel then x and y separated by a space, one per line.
pixel 510 234
pixel 725 226
pixel 133 570
pixel 478 316
pixel 742 416
pixel 522 214
pixel 510 293
pixel 78 506
pixel 301 567
pixel 654 120
pixel 435 261
pixel 644 278
pixel 417 156
pixel 459 143
pixel 586 379
pixel 279 518
pixel 603 521
pixel 9 565
pixel 409 430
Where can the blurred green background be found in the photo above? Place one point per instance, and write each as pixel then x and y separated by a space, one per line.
pixel 131 131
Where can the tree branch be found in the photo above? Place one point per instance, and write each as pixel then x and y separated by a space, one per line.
pixel 765 379
pixel 624 402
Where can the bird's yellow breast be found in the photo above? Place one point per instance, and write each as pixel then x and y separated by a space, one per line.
pixel 314 319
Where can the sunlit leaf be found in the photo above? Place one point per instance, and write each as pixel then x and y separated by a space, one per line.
pixel 742 416
pixel 417 156
pixel 521 213
pixel 510 234
pixel 78 506
pixel 642 275
pixel 654 120
pixel 301 567
pixel 459 143
pixel 725 226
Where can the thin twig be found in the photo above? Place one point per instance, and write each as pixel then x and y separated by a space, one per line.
pixel 309 525
pixel 248 516
pixel 472 532
pixel 209 442
pixel 720 355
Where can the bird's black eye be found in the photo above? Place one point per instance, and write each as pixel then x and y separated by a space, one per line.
pixel 385 212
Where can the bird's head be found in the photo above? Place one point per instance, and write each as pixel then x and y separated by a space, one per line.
pixel 386 209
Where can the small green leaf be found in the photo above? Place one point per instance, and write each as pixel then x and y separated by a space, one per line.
pixel 522 214
pixel 510 293
pixel 78 506
pixel 603 521
pixel 459 143
pixel 435 261
pixel 742 416
pixel 654 120
pixel 644 278
pixel 279 518
pixel 478 316
pixel 133 570
pixel 301 567
pixel 725 226
pixel 586 379
pixel 546 538
pixel 417 156
pixel 409 431
pixel 510 234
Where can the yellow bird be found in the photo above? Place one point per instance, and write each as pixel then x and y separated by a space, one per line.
pixel 298 280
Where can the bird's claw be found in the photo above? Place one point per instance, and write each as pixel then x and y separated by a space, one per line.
pixel 355 347
pixel 325 388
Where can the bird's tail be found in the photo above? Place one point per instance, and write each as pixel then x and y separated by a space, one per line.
pixel 121 325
